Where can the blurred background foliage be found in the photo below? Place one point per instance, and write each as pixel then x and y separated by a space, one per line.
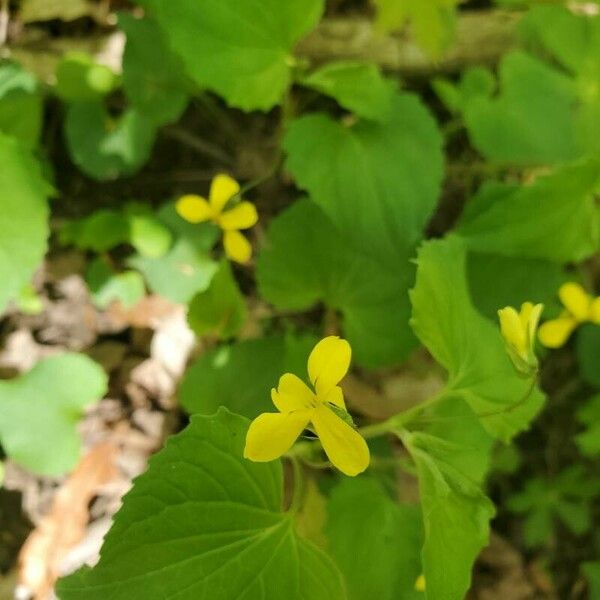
pixel 359 130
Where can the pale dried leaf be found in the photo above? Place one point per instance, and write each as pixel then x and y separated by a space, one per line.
pixel 48 10
pixel 21 351
pixel 40 558
pixel 149 312
pixel 173 342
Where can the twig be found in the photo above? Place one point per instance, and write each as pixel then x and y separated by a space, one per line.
pixel 4 17
pixel 482 37
pixel 198 144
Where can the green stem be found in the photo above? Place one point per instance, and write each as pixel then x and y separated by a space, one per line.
pixel 298 482
pixel 513 406
pixel 259 180
pixel 305 452
pixel 400 420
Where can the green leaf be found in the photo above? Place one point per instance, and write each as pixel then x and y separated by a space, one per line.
pixel 204 522
pixel 588 353
pixel 506 460
pixel 389 174
pixel 306 261
pixel 566 497
pixel 102 230
pixel 201 236
pixel 187 267
pixel 104 147
pixel 374 541
pixel 554 218
pixel 40 410
pixel 179 274
pixel 475 82
pixel 79 78
pixel 466 344
pixel 240 51
pixel 575 516
pixel 497 281
pixel 28 301
pixel 106 286
pixel 456 515
pixel 573 39
pixel 588 441
pixel 592 573
pixel 452 420
pixel 147 234
pixel 105 229
pixel 358 87
pixel 221 309
pixel 21 105
pixel 153 77
pixel 432 22
pixel 23 219
pixel 532 121
pixel 242 375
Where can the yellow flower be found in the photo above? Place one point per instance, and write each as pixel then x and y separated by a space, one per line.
pixel 272 434
pixel 243 215
pixel 518 330
pixel 420 584
pixel 580 307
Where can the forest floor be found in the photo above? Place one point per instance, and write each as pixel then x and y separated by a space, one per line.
pixel 49 527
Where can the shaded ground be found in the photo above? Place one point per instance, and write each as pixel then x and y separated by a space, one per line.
pixel 145 352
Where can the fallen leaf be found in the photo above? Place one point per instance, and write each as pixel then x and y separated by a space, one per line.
pixel 501 573
pixel 21 351
pixel 173 342
pixel 39 564
pixel 149 312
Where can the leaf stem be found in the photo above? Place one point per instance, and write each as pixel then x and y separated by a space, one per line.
pixel 271 172
pixel 400 420
pixel 298 483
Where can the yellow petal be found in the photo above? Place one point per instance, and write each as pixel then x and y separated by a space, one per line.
pixel 512 329
pixel 595 311
pixel 554 333
pixel 328 363
pixel 292 394
pixel 344 446
pixel 241 216
pixel 237 247
pixel 525 314
pixel 576 300
pixel 222 189
pixel 272 434
pixel 194 209
pixel 420 585
pixel 533 320
pixel 335 396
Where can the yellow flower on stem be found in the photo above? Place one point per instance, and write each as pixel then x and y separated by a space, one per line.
pixel 580 308
pixel 272 434
pixel 518 330
pixel 243 215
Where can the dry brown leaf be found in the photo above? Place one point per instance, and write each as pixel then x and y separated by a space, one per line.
pixel 65 525
pixel 21 351
pixel 173 342
pixel 149 312
pixel 501 572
